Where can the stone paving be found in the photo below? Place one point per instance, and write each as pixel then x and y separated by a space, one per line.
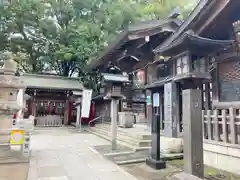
pixel 64 154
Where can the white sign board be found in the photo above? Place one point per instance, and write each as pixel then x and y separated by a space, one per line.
pixel 20 97
pixel 156 100
pixel 86 103
pixel 26 145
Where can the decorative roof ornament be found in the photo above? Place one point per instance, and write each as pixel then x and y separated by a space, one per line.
pixel 236 27
pixel 10 66
pixel 175 13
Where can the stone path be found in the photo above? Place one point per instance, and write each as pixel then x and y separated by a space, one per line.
pixel 64 154
pixel 14 171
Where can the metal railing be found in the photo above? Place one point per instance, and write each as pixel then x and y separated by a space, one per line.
pixel 95 119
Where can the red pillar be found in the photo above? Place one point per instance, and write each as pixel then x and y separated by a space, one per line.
pixel 70 106
pixel 66 115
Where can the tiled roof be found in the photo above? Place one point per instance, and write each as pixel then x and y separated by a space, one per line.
pixel 115 77
pixel 51 82
pixel 142 27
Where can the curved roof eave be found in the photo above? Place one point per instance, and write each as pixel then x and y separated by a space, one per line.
pixel 124 36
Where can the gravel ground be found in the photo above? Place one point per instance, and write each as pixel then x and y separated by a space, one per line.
pixel 143 172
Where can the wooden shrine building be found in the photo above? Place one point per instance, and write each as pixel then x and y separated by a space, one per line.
pixel 132 52
pixel 52 98
pixel 206 46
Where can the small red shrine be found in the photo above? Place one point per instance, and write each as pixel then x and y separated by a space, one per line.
pixel 52 97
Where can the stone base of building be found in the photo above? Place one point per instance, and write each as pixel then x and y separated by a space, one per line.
pixel 184 176
pixel 9 156
pixel 171 145
pixel 156 164
pixel 222 156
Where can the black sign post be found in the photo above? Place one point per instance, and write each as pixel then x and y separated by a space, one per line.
pixel 154 160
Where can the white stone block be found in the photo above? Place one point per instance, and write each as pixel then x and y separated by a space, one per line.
pixel 140 118
pixel 126 119
pixel 171 145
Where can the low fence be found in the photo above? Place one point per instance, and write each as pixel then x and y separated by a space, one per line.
pixel 49 121
pixel 222 125
pixel 221 132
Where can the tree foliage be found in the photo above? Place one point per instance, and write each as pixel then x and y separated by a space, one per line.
pixel 60 35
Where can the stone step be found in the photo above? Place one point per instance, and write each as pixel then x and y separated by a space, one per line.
pixel 12 160
pixel 122 132
pixel 139 157
pixel 123 142
pixel 125 135
pixel 127 138
pixel 13 156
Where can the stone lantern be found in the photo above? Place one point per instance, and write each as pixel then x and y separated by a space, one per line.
pixel 9 85
pixel 111 85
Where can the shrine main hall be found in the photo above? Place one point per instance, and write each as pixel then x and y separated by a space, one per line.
pixel 52 99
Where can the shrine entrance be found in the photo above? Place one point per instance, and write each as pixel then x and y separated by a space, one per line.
pixel 51 107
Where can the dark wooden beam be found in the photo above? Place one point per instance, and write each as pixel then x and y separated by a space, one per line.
pixel 216 11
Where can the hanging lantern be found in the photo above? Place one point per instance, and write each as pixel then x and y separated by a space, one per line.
pixel 141 77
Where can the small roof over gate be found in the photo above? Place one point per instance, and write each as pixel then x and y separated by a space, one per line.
pixel 51 82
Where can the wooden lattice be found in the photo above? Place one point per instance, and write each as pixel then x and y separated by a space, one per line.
pixel 230 71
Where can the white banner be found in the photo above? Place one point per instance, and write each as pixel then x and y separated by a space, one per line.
pixel 86 103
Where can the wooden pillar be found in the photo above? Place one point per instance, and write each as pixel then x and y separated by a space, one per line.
pixel 33 104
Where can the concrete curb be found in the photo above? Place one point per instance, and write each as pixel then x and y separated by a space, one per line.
pixel 118 153
pixel 132 161
pixel 131 177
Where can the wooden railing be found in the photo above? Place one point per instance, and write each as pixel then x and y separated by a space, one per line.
pixel 222 125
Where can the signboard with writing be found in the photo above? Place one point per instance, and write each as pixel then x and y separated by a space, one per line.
pixel 149 100
pixel 17 137
pixel 86 103
pixel 156 102
pixel 26 144
pixel 168 109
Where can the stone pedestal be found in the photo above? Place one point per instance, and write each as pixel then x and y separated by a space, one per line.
pixel 154 160
pixel 9 84
pixel 126 119
pixel 140 118
pixel 193 139
pixel 5 125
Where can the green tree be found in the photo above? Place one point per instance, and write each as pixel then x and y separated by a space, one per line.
pixel 60 35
